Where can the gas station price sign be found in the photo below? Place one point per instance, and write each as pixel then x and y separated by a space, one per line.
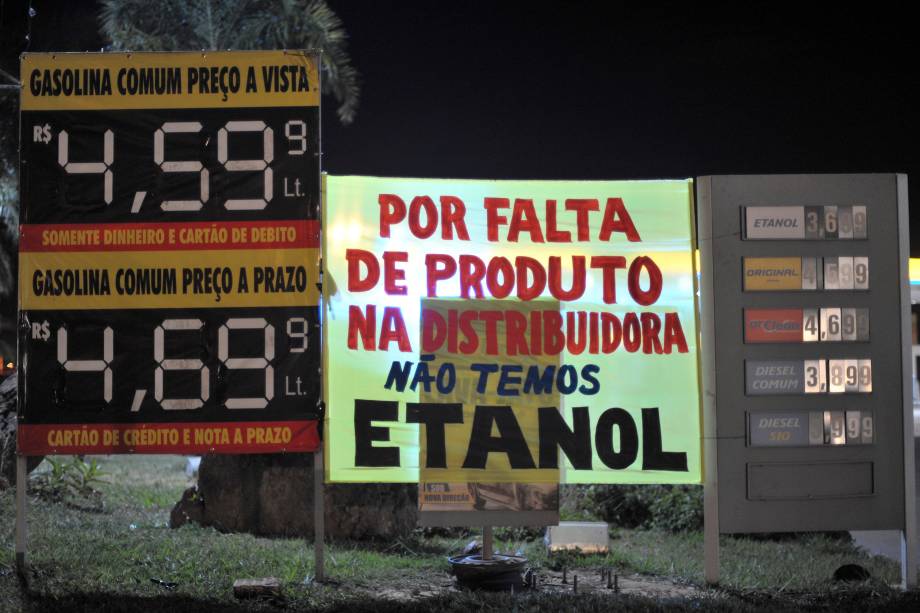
pixel 169 252
pixel 805 303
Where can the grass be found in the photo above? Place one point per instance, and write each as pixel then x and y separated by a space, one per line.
pixel 804 562
pixel 125 557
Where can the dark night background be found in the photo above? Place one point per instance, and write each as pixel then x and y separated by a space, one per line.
pixel 595 90
pixel 592 90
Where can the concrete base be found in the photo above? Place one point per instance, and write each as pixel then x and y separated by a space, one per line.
pixel 586 536
pixel 879 542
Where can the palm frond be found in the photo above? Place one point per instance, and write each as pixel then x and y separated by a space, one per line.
pixel 173 25
pixel 9 231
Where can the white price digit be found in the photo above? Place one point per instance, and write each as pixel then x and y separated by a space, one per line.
pixel 845 222
pixel 296 132
pixel 83 168
pixel 833 324
pixel 834 424
pixel 108 350
pixel 268 154
pixel 159 156
pixel 815 376
pixel 830 219
pixel 810 325
pixel 852 418
pixel 862 324
pixel 811 372
pixel 830 324
pixel 849 324
pixel 851 375
pixel 831 273
pixel 867 429
pixel 846 272
pixel 811 221
pixel 223 352
pixel 865 376
pixel 164 364
pixel 836 372
pixel 861 273
pixel 297 330
pixel 809 273
pixel 860 219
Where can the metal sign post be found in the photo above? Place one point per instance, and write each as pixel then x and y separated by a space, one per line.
pixel 21 509
pixel 487 542
pixel 708 385
pixel 319 517
pixel 910 557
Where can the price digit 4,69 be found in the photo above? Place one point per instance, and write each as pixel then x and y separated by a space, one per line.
pixel 296 328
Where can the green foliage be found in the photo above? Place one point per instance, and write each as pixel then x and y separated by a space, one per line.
pixel 568 559
pixel 173 25
pixel 677 508
pixel 519 533
pixel 73 482
pixel 9 212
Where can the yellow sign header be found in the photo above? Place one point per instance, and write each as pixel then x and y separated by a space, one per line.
pixel 212 79
pixel 169 279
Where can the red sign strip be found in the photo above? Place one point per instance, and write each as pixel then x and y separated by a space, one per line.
pixel 773 325
pixel 178 438
pixel 171 236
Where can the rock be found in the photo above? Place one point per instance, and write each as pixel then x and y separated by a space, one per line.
pixel 189 509
pixel 272 495
pixel 851 572
pixel 8 424
pixel 8 430
pixel 472 548
pixel 192 463
pixel 256 588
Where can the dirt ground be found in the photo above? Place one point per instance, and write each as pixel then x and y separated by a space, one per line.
pixel 582 581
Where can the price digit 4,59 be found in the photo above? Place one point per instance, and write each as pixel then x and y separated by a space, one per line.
pixel 295 132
